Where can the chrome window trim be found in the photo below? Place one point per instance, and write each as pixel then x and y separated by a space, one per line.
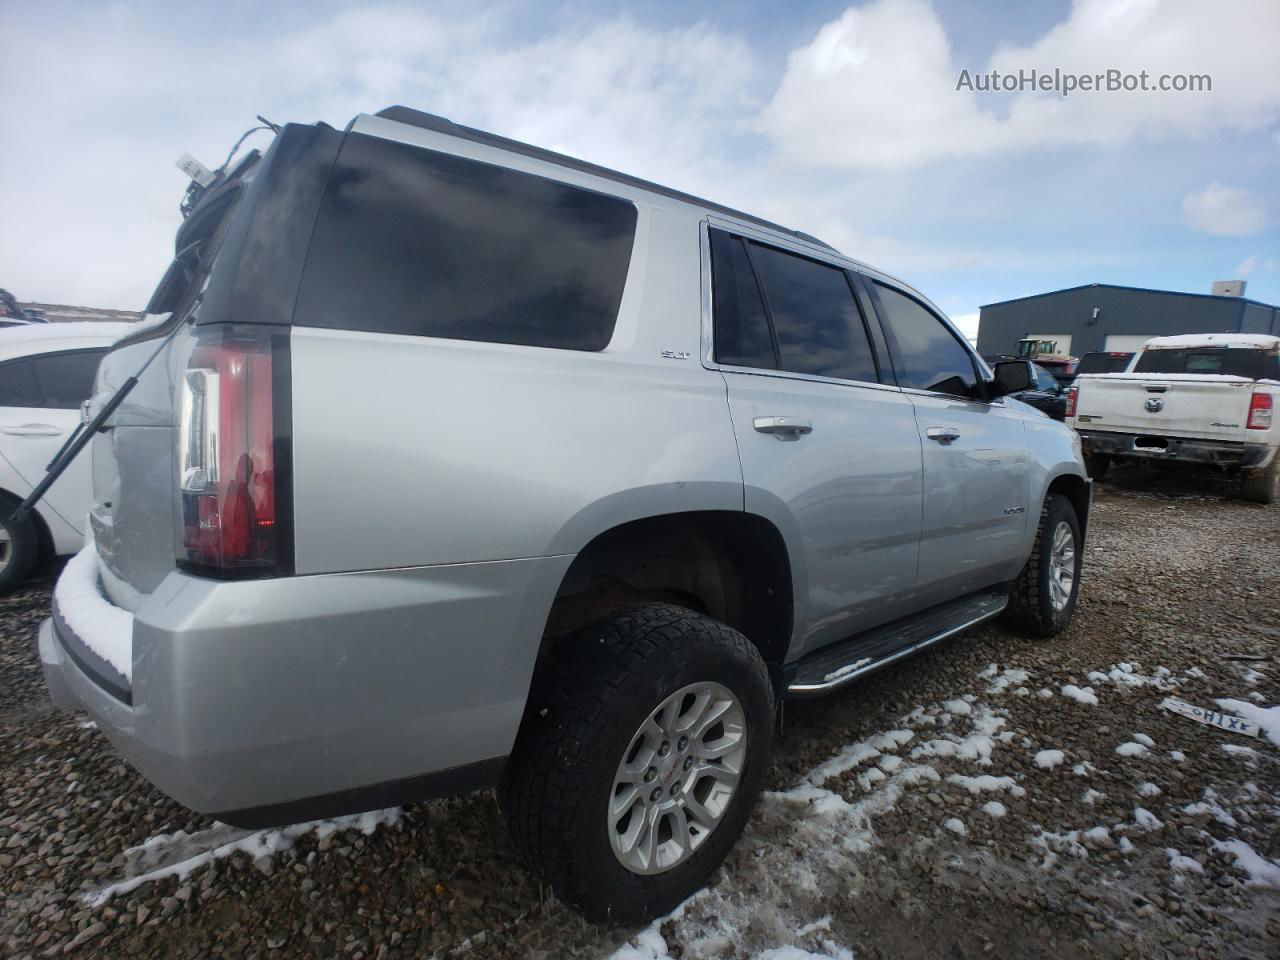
pixel 819 254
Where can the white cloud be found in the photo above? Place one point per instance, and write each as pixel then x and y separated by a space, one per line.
pixel 1225 211
pixel 876 88
pixel 1247 266
pixel 94 157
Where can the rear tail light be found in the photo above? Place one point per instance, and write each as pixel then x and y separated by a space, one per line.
pixel 1259 412
pixel 1072 393
pixel 233 455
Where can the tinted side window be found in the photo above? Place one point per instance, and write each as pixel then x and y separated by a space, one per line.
pixel 929 357
pixel 817 322
pixel 18 386
pixel 742 336
pixel 417 242
pixel 66 379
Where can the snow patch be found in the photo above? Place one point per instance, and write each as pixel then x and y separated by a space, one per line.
pixel 1239 750
pixel 1261 871
pixel 263 843
pixel 1083 695
pixel 1091 796
pixel 847 669
pixel 1267 719
pixel 1148 789
pixel 994 808
pixel 1048 759
pixel 106 629
pixel 1146 819
pixel 1177 756
pixel 1131 749
pixel 1002 680
pixel 1143 739
pixel 1181 864
pixel 956 826
pixel 986 783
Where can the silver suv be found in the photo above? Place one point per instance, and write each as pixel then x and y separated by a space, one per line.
pixel 466 464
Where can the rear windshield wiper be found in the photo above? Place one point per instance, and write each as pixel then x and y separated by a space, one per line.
pixel 83 433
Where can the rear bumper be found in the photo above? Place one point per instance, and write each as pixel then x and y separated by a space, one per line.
pixel 1191 450
pixel 277 700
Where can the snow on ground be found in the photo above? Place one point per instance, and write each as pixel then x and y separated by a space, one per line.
pixel 1083 695
pixel 1001 680
pixel 1261 871
pixel 1131 749
pixel 174 851
pixel 1048 759
pixel 1266 718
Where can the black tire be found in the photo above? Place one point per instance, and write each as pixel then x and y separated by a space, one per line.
pixel 582 717
pixel 18 555
pixel 1031 608
pixel 1262 486
pixel 1097 465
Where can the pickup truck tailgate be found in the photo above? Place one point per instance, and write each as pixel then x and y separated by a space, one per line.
pixel 1168 404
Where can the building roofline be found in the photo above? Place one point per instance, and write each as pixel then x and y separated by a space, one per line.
pixel 430 121
pixel 1121 286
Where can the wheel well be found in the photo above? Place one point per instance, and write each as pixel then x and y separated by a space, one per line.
pixel 42 529
pixel 1077 491
pixel 731 566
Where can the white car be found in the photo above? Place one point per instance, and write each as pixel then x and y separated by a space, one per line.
pixel 46 372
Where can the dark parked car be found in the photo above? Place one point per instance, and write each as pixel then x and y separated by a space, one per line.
pixel 1047 395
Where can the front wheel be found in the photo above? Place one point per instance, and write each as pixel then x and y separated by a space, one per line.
pixel 641 755
pixel 1043 598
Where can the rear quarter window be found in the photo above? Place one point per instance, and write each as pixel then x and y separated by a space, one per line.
pixel 412 241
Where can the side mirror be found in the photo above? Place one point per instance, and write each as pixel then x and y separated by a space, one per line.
pixel 1012 376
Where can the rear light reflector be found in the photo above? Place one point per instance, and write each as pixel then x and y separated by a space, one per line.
pixel 1072 392
pixel 231 486
pixel 1259 412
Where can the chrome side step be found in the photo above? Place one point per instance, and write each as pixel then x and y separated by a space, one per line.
pixel 834 666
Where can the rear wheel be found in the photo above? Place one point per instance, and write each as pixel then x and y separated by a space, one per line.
pixel 1262 486
pixel 1043 598
pixel 1097 465
pixel 639 759
pixel 19 547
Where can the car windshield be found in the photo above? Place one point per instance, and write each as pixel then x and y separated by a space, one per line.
pixel 1254 364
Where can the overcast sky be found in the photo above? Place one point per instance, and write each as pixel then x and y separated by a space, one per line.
pixel 841 120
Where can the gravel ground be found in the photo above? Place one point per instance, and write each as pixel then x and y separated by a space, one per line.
pixel 921 813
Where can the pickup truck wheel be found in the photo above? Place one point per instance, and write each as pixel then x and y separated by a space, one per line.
pixel 19 547
pixel 640 757
pixel 1097 465
pixel 1043 598
pixel 1262 486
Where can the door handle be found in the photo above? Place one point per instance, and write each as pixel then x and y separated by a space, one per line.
pixel 32 430
pixel 783 427
pixel 943 435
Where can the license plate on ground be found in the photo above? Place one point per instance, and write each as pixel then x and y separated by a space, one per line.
pixel 1212 718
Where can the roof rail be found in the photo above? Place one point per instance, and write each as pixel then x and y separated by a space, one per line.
pixel 429 121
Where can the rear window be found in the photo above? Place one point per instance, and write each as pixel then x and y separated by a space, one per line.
pixel 412 241
pixel 1104 363
pixel 1235 362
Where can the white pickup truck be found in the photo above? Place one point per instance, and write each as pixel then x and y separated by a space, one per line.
pixel 1200 398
